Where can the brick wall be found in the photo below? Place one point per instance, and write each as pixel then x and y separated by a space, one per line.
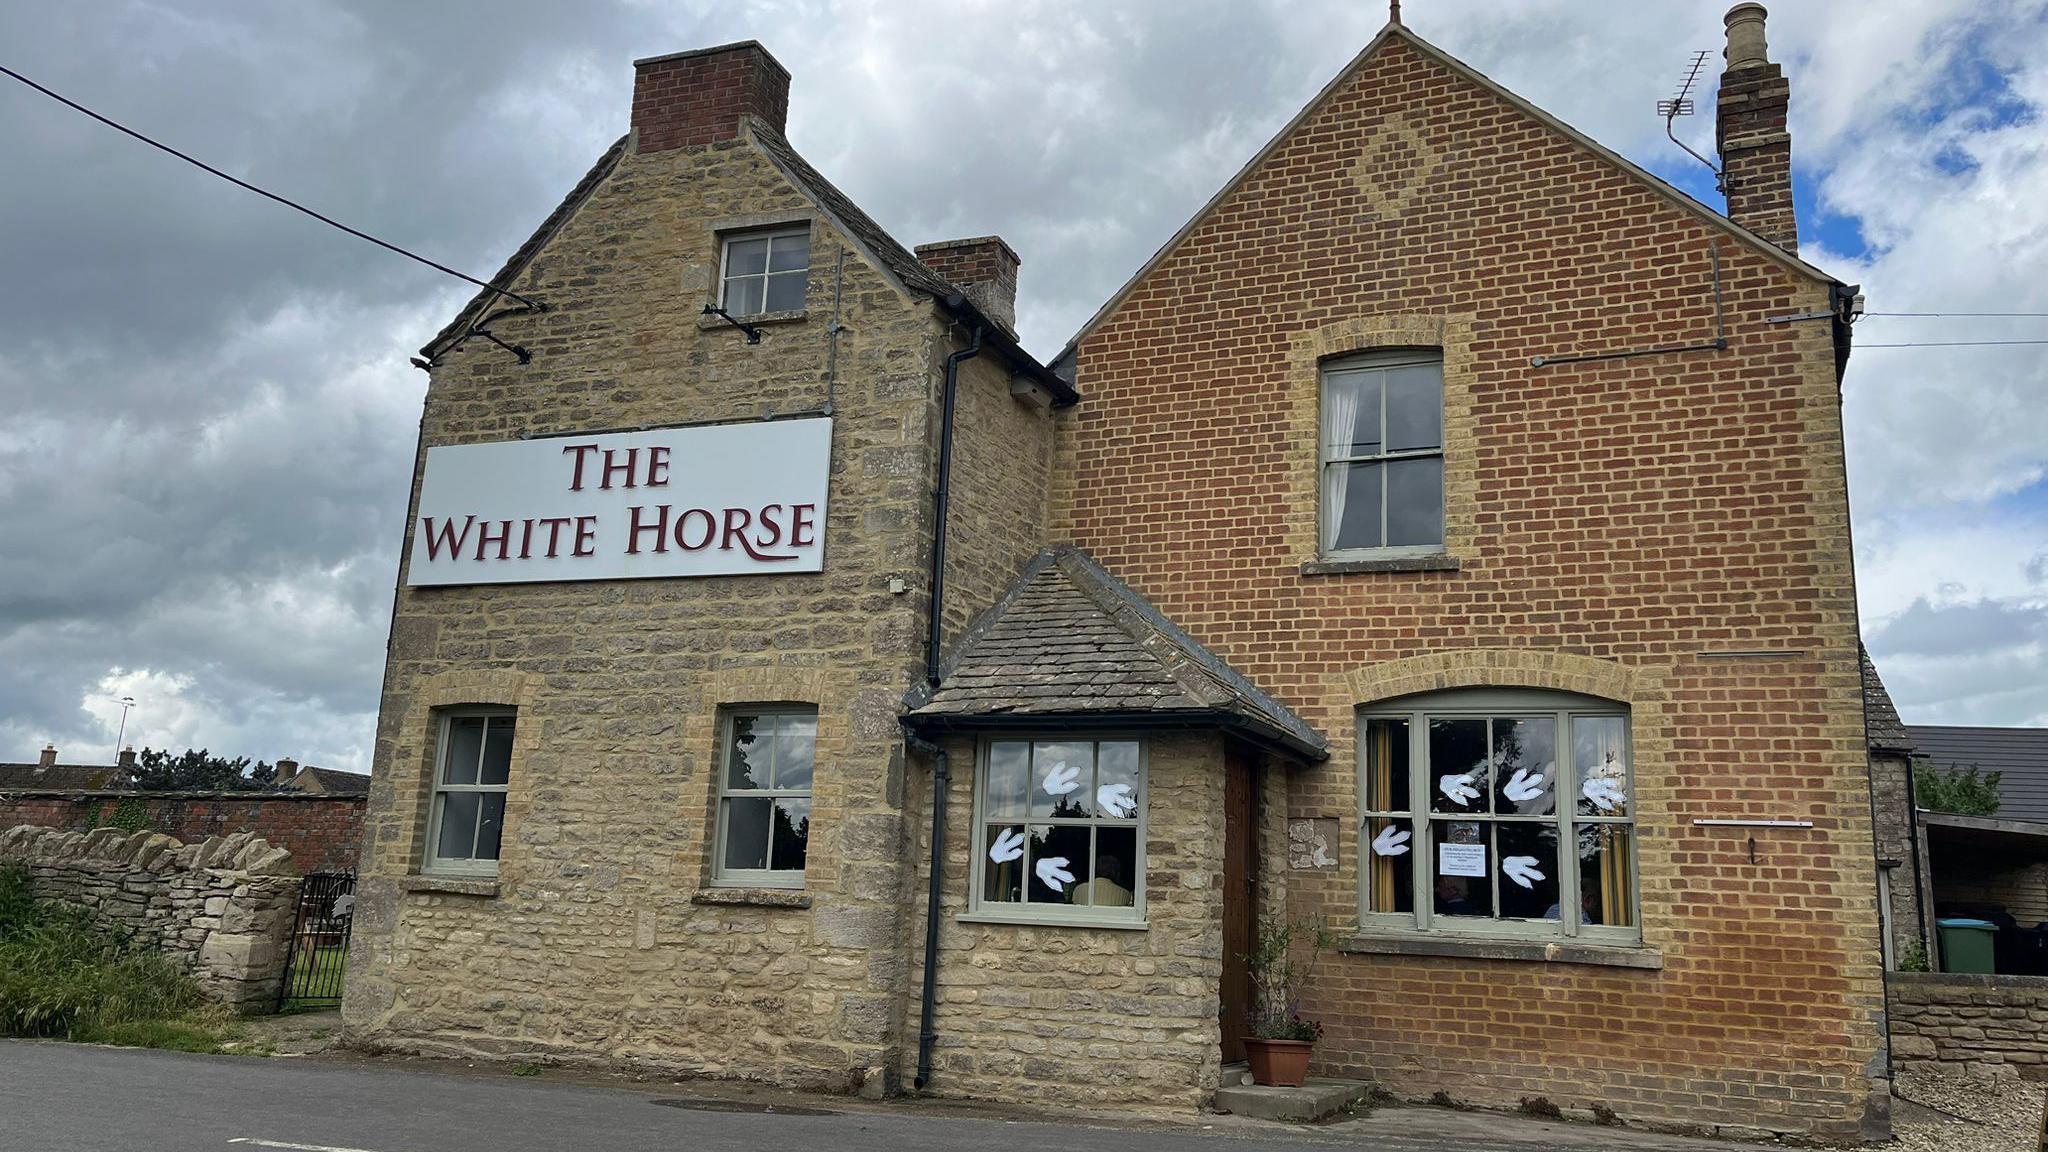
pixel 1995 1025
pixel 695 98
pixel 322 833
pixel 1631 514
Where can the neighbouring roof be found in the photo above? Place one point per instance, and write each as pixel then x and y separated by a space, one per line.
pixel 2020 754
pixel 1397 31
pixel 1881 725
pixel 329 782
pixel 1071 642
pixel 65 777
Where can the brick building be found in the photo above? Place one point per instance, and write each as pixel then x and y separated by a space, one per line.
pixel 1445 534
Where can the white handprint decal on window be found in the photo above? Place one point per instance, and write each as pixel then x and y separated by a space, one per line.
pixel 1605 794
pixel 1115 800
pixel 1521 869
pixel 1008 846
pixel 1522 786
pixel 1062 779
pixel 1458 789
pixel 1391 841
pixel 1052 871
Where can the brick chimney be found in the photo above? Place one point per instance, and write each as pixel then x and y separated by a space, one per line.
pixel 689 99
pixel 984 268
pixel 49 757
pixel 1750 130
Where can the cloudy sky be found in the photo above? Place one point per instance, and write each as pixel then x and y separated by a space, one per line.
pixel 209 417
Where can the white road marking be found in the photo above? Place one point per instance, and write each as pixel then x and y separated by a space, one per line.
pixel 295 1146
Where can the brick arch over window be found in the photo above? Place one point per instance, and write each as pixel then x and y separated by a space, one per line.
pixel 1450 332
pixel 400 846
pixel 1641 687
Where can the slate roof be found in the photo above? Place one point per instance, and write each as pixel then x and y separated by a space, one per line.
pixel 2021 754
pixel 1881 724
pixel 1071 641
pixel 61 777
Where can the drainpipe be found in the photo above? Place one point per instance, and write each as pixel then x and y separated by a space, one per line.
pixel 942 497
pixel 926 1033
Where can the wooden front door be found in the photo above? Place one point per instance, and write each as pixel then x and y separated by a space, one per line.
pixel 1240 850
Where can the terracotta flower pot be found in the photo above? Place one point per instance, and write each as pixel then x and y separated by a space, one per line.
pixel 1278 1063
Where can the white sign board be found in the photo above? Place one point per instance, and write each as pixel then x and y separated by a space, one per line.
pixel 1461 859
pixel 727 499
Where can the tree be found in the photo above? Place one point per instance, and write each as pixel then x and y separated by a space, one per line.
pixel 199 771
pixel 1958 790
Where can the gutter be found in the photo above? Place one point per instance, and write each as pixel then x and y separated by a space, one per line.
pixel 1022 362
pixel 1245 728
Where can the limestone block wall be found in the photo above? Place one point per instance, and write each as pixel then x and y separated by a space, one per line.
pixel 222 907
pixel 1996 1025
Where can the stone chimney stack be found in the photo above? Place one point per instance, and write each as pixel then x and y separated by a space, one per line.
pixel 1750 130
pixel 689 99
pixel 286 769
pixel 127 758
pixel 49 757
pixel 984 268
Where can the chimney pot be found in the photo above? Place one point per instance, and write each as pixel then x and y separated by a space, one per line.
pixel 1746 47
pixel 984 268
pixel 49 757
pixel 127 758
pixel 690 99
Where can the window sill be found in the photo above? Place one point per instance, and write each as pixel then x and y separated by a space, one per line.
pixel 1481 948
pixel 1050 922
pixel 759 320
pixel 753 897
pixel 486 886
pixel 1345 565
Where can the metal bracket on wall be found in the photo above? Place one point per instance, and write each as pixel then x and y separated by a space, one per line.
pixel 753 333
pixel 1717 344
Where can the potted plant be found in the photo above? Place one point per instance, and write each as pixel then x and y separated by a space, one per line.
pixel 1282 956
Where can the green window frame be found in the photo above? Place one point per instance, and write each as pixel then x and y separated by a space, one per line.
pixel 1095 828
pixel 1380 455
pixel 472 777
pixel 1458 768
pixel 767 759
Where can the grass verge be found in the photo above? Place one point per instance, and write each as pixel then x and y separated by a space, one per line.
pixel 65 976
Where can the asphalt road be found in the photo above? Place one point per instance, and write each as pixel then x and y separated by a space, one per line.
pixel 73 1098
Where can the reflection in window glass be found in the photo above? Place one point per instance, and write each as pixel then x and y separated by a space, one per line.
pixel 1415 501
pixel 1607 875
pixel 1058 824
pixel 1457 765
pixel 1600 753
pixel 1381 454
pixel 766 273
pixel 1390 880
pixel 1529 879
pixel 764 813
pixel 458 825
pixel 465 747
pixel 1464 873
pixel 1525 766
pixel 468 815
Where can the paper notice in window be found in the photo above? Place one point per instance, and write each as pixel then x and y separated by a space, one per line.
pixel 1461 859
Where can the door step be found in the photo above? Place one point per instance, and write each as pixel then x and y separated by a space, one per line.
pixel 1318 1099
pixel 1237 1072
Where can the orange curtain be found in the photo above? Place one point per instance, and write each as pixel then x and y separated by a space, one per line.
pixel 1379 793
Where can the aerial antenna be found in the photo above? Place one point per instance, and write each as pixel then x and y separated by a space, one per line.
pixel 1681 105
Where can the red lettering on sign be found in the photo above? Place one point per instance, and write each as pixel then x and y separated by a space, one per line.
pixel 555 525
pixel 770 525
pixel 710 529
pixel 446 537
pixel 502 538
pixel 586 536
pixel 576 478
pixel 611 469
pixel 634 528
pixel 803 525
pixel 657 467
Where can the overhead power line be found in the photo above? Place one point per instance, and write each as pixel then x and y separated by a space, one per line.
pixel 292 204
pixel 1948 344
pixel 2016 314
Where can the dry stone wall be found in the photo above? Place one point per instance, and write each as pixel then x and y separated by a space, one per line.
pixel 222 907
pixel 1995 1025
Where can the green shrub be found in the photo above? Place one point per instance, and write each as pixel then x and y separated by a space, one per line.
pixel 63 975
pixel 1956 789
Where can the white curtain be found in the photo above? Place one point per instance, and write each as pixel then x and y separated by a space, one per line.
pixel 1340 417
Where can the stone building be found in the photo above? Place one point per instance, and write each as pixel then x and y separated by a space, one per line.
pixel 1444 534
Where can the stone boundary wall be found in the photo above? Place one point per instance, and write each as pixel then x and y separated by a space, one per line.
pixel 1995 1025
pixel 323 833
pixel 222 907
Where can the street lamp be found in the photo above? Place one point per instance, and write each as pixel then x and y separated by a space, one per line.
pixel 126 702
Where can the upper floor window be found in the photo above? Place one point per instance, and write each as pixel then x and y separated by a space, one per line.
pixel 765 271
pixel 1059 829
pixel 764 806
pixel 1498 812
pixel 1382 454
pixel 471 773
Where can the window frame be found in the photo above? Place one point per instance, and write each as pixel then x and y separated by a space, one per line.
pixel 1496 704
pixel 721 876
pixel 725 242
pixel 431 860
pixel 1375 360
pixel 1059 915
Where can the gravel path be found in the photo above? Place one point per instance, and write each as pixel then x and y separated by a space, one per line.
pixel 1952 1112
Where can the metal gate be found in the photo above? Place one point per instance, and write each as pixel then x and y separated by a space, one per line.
pixel 317 955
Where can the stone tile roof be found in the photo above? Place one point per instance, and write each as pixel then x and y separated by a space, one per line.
pixel 858 225
pixel 1881 724
pixel 329 782
pixel 1071 641
pixel 62 777
pixel 2019 755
